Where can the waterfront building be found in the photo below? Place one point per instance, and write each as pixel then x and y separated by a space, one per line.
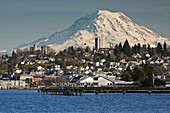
pixel 6 84
pixel 96 81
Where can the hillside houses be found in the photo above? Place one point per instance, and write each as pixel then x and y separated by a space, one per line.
pixel 90 70
pixel 74 64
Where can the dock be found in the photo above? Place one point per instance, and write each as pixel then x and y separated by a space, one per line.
pixel 96 90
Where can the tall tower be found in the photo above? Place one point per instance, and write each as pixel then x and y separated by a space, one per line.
pixel 97 43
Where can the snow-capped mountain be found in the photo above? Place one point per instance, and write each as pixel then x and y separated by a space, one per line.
pixel 115 27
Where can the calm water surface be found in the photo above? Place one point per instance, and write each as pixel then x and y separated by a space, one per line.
pixel 24 101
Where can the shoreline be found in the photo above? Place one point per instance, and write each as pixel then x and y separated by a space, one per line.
pixel 19 89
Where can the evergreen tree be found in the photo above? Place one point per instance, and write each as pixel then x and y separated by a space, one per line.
pixel 149 70
pixel 120 47
pixel 10 69
pixel 109 57
pixel 69 50
pixel 126 48
pixel 127 76
pixel 72 48
pixel 128 69
pixel 135 49
pixel 149 48
pixel 146 82
pixel 168 53
pixel 165 49
pixel 159 48
pixel 87 49
pixel 159 82
pixel 152 52
pixel 14 55
pixel 139 47
pixel 117 51
pixel 140 75
pixel 135 70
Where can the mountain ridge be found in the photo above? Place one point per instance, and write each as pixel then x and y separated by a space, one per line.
pixel 115 27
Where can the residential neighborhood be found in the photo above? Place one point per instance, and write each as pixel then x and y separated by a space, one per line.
pixel 83 67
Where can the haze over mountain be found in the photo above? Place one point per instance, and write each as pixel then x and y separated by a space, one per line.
pixel 115 27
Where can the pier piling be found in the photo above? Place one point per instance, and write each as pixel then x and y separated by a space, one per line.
pixel 149 92
pixel 96 93
pixel 124 92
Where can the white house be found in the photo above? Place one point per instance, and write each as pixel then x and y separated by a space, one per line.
pixel 97 64
pixel 92 67
pixel 103 60
pixel 96 81
pixel 136 56
pixel 22 63
pixel 18 71
pixel 161 61
pixel 81 69
pixel 147 55
pixel 83 60
pixel 87 67
pixel 51 59
pixel 39 68
pixel 98 69
pixel 57 67
pixel 87 72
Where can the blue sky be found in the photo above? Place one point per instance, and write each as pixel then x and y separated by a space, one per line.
pixel 23 21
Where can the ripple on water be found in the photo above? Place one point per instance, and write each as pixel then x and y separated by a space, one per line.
pixel 31 101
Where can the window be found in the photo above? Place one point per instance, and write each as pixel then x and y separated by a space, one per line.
pixel 95 78
pixel 88 83
pixel 95 83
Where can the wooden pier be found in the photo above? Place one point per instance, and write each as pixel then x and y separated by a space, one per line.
pixel 80 90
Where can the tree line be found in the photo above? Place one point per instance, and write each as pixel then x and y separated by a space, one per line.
pixel 144 75
pixel 159 50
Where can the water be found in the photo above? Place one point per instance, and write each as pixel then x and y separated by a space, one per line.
pixel 30 101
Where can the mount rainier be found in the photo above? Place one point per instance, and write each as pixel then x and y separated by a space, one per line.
pixel 115 27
